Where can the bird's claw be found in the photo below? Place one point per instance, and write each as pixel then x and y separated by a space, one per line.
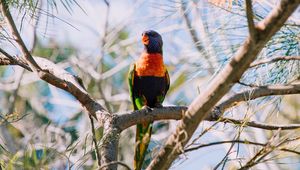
pixel 147 108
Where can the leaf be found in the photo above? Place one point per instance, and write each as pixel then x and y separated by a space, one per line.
pixel 99 133
pixel 15 132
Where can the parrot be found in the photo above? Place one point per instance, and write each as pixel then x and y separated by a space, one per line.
pixel 149 82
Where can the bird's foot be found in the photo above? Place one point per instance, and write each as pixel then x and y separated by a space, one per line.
pixel 159 105
pixel 147 108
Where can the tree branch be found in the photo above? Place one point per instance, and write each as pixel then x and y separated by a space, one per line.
pixel 197 111
pixel 260 125
pixel 64 80
pixel 269 147
pixel 221 84
pixel 50 72
pixel 126 120
pixel 236 141
pixel 129 119
pixel 275 59
pixel 8 18
pixel 260 91
pixel 114 163
pixel 61 79
pixel 99 62
pixel 98 157
pixel 251 25
pixel 7 59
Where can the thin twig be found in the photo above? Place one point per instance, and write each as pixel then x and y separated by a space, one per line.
pixel 248 85
pixel 99 63
pixel 95 141
pixel 115 162
pixel 202 133
pixel 13 97
pixel 269 147
pixel 272 60
pixel 236 141
pixel 261 125
pixel 197 42
pixel 10 60
pixel 36 24
pixel 225 158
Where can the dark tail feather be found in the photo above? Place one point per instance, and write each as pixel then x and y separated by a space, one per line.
pixel 143 135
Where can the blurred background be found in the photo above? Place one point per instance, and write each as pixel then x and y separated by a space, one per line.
pixel 44 127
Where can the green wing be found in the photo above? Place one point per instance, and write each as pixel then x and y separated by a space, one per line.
pixel 137 101
pixel 131 84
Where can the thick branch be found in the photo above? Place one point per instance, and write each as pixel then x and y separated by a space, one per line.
pixel 275 59
pixel 221 84
pixel 124 121
pixel 61 79
pixel 176 112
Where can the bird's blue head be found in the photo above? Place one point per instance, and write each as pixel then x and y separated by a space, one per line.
pixel 152 41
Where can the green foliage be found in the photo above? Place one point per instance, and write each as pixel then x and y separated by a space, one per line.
pixel 99 133
pixel 31 159
pixel 284 43
pixel 32 5
pixel 17 133
pixel 23 4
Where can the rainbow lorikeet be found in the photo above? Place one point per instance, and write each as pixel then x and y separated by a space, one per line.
pixel 148 84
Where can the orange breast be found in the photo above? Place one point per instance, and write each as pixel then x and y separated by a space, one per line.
pixel 150 65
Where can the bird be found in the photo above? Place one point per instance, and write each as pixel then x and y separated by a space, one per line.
pixel 149 81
